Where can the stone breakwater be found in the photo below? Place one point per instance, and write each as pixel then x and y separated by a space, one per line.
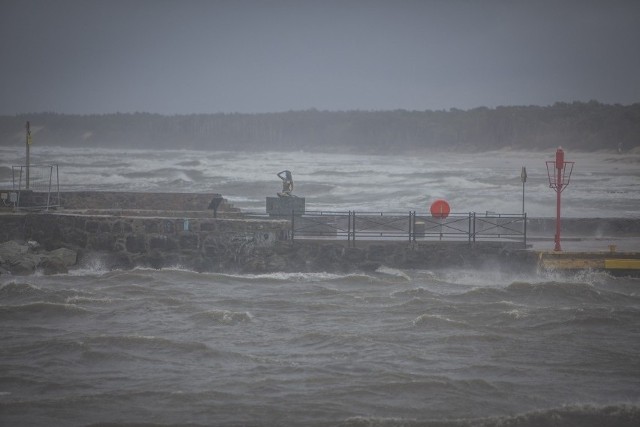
pixel 229 245
pixel 122 230
pixel 125 242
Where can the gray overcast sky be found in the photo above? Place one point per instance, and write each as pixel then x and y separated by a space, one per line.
pixel 184 56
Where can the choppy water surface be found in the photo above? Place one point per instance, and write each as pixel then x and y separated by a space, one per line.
pixel 391 348
pixel 602 184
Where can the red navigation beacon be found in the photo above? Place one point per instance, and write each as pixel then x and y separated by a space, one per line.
pixel 559 173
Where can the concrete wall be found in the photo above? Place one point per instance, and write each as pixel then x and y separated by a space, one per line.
pixel 308 255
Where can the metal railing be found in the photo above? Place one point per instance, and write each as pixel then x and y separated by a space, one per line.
pixel 37 186
pixel 410 226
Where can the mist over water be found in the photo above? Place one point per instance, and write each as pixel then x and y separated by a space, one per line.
pixel 602 184
pixel 393 347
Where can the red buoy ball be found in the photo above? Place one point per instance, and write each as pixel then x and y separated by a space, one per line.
pixel 440 209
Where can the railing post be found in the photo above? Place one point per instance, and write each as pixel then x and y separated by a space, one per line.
pixel 19 189
pixel 59 203
pixel 293 228
pixel 349 230
pixel 525 230
pixel 474 227
pixel 354 229
pixel 414 226
pixel 410 225
pixel 49 192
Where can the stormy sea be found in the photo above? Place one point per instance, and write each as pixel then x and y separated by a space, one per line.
pixel 450 347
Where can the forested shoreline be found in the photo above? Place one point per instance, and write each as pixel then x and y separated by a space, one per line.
pixel 582 126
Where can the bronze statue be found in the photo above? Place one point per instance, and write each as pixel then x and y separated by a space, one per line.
pixel 287 183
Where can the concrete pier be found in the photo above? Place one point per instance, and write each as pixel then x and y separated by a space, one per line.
pixel 620 263
pixel 124 231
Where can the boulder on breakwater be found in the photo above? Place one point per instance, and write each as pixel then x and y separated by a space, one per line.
pixel 26 258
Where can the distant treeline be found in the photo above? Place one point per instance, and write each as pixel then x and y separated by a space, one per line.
pixel 578 125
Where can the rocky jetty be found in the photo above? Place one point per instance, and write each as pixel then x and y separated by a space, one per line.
pixel 124 237
pixel 18 258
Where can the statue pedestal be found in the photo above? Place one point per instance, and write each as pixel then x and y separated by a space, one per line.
pixel 284 206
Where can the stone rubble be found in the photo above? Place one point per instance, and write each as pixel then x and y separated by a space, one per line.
pixel 17 258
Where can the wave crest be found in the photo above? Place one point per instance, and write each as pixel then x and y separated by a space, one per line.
pixel 438 321
pixel 224 317
pixel 43 309
pixel 19 290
